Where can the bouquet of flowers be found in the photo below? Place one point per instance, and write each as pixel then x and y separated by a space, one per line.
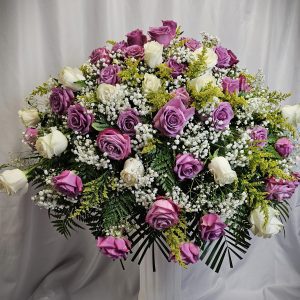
pixel 160 141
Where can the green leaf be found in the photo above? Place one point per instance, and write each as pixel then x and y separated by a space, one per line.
pixel 117 209
pixel 65 225
pixel 163 164
pixel 100 126
pixel 111 42
pixel 81 83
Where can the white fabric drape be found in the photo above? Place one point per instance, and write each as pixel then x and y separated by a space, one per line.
pixel 37 38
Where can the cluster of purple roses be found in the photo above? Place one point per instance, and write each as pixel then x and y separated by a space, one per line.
pixel 277 189
pixel 163 214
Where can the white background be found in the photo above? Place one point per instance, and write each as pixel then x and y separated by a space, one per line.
pixel 37 38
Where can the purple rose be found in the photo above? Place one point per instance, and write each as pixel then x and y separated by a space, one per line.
pixel 172 117
pixel 119 46
pixel 61 99
pixel 280 189
pixel 68 183
pixel 187 166
pixel 172 25
pixel 114 247
pixel 30 136
pixel 297 177
pixel 136 37
pixel 162 214
pixel 233 58
pixel 189 253
pixel 260 135
pixel 135 51
pixel 222 115
pixel 226 58
pixel 192 44
pixel 100 53
pixel 243 85
pixel 79 119
pixel 223 57
pixel 230 85
pixel 163 34
pixel 284 147
pixel 127 120
pixel 211 227
pixel 177 68
pixel 116 145
pixel 182 94
pixel 109 74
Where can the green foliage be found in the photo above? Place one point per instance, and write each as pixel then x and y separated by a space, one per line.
pixel 278 122
pixel 99 126
pixel 162 163
pixel 88 98
pixel 150 146
pixel 117 209
pixel 164 72
pixel 81 83
pixel 255 191
pixel 159 98
pixel 277 97
pixel 197 66
pixel 235 100
pixel 65 225
pixel 130 74
pixel 175 236
pixel 93 193
pixel 266 163
pixel 282 208
pixel 111 42
pixel 205 96
pixel 41 90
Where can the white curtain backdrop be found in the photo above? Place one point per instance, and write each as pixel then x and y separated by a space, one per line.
pixel 37 38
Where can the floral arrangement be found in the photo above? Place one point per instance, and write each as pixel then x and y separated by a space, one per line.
pixel 160 141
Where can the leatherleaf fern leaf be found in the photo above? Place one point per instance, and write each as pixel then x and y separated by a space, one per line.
pixel 163 163
pixel 117 209
pixel 94 192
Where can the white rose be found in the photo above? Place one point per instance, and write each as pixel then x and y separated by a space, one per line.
pixel 29 117
pixel 105 92
pixel 51 144
pixel 151 83
pixel 257 219
pixel 133 169
pixel 291 113
pixel 153 54
pixel 221 169
pixel 12 181
pixel 211 57
pixel 200 82
pixel 68 76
